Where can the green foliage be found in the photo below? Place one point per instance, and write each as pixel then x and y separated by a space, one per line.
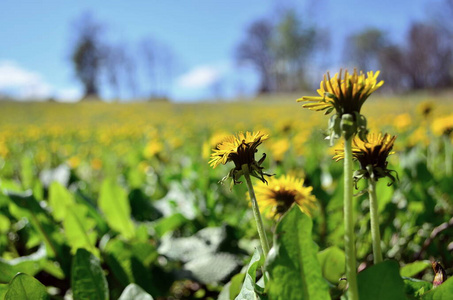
pixel 332 261
pixel 26 287
pixel 381 281
pixel 414 268
pixel 114 204
pixel 294 270
pixel 444 291
pixel 87 278
pixel 250 289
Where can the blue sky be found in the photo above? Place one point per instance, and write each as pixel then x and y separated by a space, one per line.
pixel 36 36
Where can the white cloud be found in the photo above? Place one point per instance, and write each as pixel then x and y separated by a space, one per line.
pixel 200 77
pixel 69 95
pixel 21 83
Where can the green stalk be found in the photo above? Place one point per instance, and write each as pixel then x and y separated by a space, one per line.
pixel 256 211
pixel 349 237
pixel 374 217
pixel 448 155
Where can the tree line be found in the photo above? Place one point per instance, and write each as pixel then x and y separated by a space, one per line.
pixel 283 50
pixel 99 63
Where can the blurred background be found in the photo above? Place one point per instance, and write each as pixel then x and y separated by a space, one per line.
pixel 201 49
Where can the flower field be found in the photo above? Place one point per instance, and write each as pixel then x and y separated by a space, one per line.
pixel 118 200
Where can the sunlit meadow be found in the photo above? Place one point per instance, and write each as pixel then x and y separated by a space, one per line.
pixel 131 184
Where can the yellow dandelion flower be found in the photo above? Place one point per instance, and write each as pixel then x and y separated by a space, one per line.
pixel 443 125
pixel 344 92
pixel 372 156
pixel 240 149
pixel 402 122
pixel 73 162
pixel 276 197
pixel 279 148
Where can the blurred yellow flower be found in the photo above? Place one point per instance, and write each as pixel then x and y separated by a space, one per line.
pixel 402 122
pixel 443 125
pixel 73 162
pixel 152 148
pixel 279 148
pixel 96 163
pixel 276 197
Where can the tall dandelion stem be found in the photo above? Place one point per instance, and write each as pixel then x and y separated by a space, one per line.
pixel 374 220
pixel 448 156
pixel 349 239
pixel 256 211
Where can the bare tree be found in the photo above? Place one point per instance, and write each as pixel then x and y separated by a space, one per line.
pixel 363 48
pixel 255 49
pixel 160 65
pixel 428 57
pixel 293 43
pixel 120 70
pixel 88 54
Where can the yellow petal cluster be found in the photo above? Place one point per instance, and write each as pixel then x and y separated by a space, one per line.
pixel 276 197
pixel 345 92
pixel 229 146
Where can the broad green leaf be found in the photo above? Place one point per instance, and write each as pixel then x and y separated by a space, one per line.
pixel 332 261
pixel 27 176
pixel 381 281
pixel 232 288
pixel 25 205
pixel 294 270
pixel 59 200
pixel 414 288
pixel 134 292
pixel 414 268
pixel 30 264
pixel 87 279
pixel 114 204
pixel 79 229
pixel 442 292
pixel 5 223
pixel 249 287
pixel 170 223
pixel 26 287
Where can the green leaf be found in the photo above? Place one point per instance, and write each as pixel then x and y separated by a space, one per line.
pixel 381 281
pixel 114 204
pixel 30 265
pixel 333 263
pixel 414 268
pixel 87 279
pixel 59 200
pixel 295 272
pixel 25 287
pixel 232 288
pixel 443 291
pixel 168 224
pixel 414 288
pixel 249 287
pixel 134 292
pixel 79 229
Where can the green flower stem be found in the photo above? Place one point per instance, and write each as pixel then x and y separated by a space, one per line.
pixel 349 237
pixel 448 156
pixel 256 211
pixel 375 235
